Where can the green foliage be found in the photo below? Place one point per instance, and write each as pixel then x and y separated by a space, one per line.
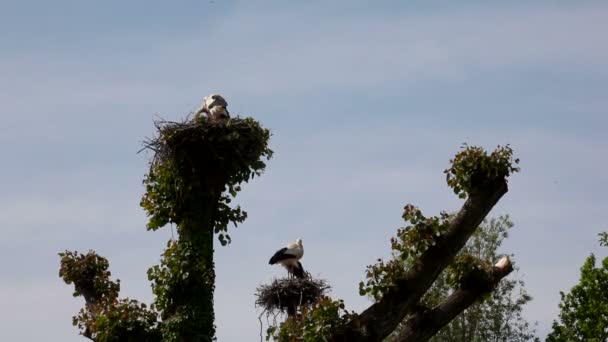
pixel 498 315
pixel 416 238
pixel 288 331
pixel 105 317
pixel 326 317
pixel 411 241
pixel 127 320
pixel 90 275
pixel 172 279
pixel 473 168
pixel 121 320
pixel 316 324
pixel 584 310
pixel 215 157
pixel 466 267
pixel 183 284
pixel 603 238
pixel 197 171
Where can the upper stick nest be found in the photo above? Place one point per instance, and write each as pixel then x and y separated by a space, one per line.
pixel 231 145
pixel 286 294
pixel 199 162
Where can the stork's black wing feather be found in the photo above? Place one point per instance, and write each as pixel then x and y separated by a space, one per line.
pixel 298 271
pixel 280 255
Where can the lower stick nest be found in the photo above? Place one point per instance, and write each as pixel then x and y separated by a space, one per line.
pixel 287 294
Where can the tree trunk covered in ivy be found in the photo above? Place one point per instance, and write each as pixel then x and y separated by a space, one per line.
pixel 197 169
pixel 189 315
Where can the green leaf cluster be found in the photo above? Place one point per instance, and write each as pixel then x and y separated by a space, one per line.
pixel 127 320
pixel 584 310
pixel 174 280
pixel 200 166
pixel 473 169
pixel 498 315
pixel 90 275
pixel 466 268
pixel 317 324
pixel 410 242
pixel 105 317
pixel 603 238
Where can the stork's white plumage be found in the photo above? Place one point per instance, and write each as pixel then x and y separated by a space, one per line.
pixel 289 257
pixel 214 106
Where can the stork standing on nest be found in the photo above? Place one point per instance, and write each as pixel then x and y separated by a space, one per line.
pixel 214 106
pixel 289 257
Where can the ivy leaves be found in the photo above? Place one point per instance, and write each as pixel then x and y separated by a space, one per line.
pixel 196 173
pixel 105 317
pixel 197 170
pixel 90 275
pixel 199 166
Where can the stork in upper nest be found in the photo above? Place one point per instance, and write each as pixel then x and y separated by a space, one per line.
pixel 289 257
pixel 214 106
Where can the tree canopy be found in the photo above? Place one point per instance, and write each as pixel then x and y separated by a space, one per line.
pixel 495 317
pixel 584 310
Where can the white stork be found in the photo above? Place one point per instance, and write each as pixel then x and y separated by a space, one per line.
pixel 214 106
pixel 289 257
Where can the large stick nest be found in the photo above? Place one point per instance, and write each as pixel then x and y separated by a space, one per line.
pixel 287 294
pixel 198 166
pixel 233 145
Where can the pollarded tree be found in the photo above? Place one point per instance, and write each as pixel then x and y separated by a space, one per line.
pixel 428 245
pixel 197 169
pixel 498 316
pixel 584 310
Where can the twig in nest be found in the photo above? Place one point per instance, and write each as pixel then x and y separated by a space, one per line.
pixel 261 325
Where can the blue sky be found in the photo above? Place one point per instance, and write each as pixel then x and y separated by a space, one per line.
pixel 367 102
